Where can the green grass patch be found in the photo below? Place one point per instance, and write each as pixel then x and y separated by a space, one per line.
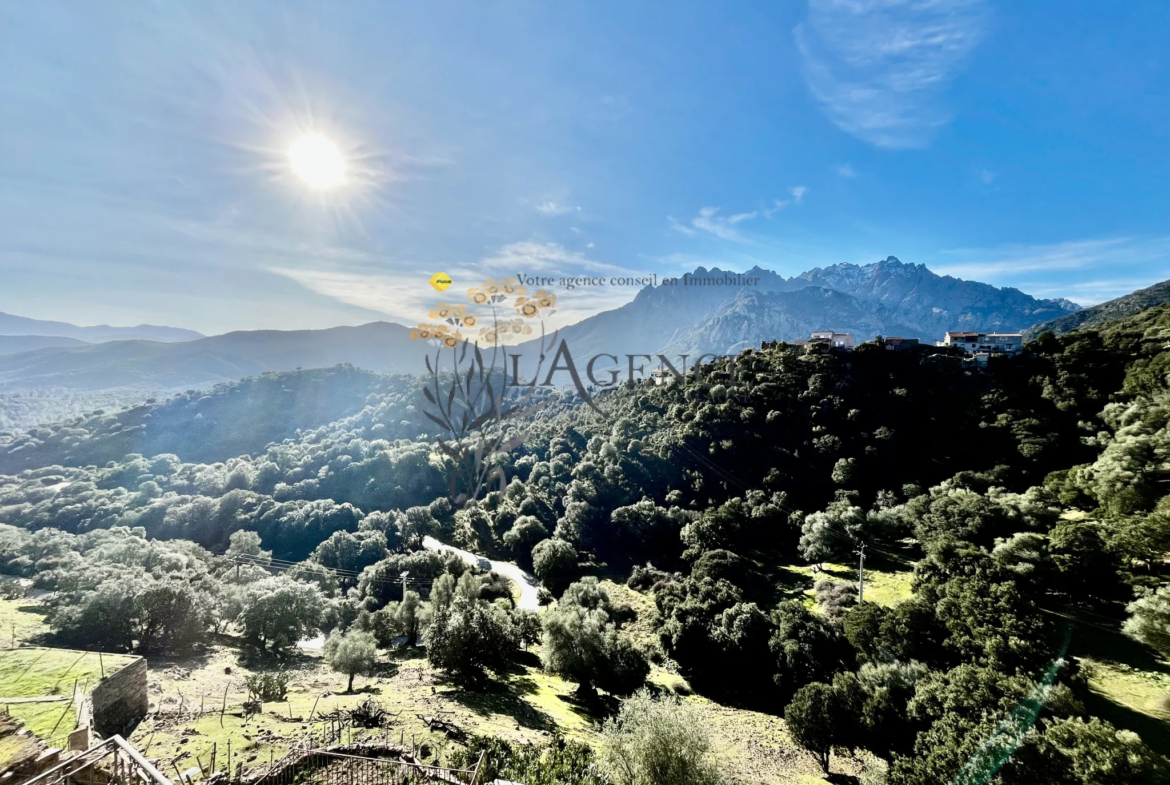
pixel 34 673
pixel 50 721
pixel 885 584
pixel 1128 685
pixel 21 622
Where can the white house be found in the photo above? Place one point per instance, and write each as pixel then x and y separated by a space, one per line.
pixel 976 342
pixel 835 340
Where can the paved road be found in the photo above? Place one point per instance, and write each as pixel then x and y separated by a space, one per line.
pixel 527 583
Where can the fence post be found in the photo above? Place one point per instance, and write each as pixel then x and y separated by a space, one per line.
pixel 478 764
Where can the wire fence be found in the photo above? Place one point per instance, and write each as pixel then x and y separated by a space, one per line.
pixel 332 767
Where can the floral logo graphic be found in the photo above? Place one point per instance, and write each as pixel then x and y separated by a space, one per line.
pixel 472 399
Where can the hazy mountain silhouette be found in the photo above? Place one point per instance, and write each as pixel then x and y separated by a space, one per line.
pixel 13 344
pixel 20 325
pixel 378 346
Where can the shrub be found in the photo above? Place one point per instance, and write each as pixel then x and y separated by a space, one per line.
pixel 651 742
pixel 835 598
pixel 268 686
pixel 560 762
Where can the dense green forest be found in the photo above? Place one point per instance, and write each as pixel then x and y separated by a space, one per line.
pixel 1025 492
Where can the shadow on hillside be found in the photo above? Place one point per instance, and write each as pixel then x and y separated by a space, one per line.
pixel 790 583
pixel 35 607
pixel 1115 648
pixel 1154 732
pixel 594 708
pixel 496 697
pixel 287 660
pixel 192 662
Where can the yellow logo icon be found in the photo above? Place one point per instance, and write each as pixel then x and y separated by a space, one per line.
pixel 440 281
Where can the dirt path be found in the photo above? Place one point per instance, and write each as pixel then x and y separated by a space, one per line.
pixel 527 584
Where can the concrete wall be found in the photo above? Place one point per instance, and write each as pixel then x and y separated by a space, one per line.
pixel 120 700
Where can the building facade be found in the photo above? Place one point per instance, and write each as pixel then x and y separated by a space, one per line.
pixel 834 340
pixel 992 343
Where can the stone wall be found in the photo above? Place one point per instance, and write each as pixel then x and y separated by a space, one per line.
pixel 120 700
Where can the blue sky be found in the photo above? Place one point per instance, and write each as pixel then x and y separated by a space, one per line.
pixel 144 174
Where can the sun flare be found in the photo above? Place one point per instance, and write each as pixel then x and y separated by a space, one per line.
pixel 317 161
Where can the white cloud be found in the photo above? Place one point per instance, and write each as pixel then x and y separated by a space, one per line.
pixel 555 208
pixel 982 263
pixel 408 299
pixel 734 219
pixel 797 192
pixel 544 257
pixel 1089 292
pixel 1085 271
pixel 879 67
pixel 708 220
pixel 379 293
pixel 678 227
pixel 846 170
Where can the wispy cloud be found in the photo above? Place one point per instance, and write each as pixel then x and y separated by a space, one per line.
pixel 878 67
pixel 1085 271
pixel 679 227
pixel 1091 292
pixel 986 176
pixel 408 302
pixel 708 220
pixel 796 193
pixel 556 208
pixel 1014 259
pixel 384 294
pixel 543 257
pixel 846 170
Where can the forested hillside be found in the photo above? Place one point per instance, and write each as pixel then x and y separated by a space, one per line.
pixel 1024 494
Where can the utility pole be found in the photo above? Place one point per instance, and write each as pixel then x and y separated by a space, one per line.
pixel 404 574
pixel 861 574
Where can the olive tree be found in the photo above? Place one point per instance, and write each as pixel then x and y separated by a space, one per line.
pixel 278 612
pixel 555 562
pixel 582 643
pixel 352 653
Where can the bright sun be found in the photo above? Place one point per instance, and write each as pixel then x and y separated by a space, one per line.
pixel 317 161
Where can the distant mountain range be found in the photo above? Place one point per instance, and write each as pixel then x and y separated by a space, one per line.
pixel 12 344
pixel 378 346
pixel 694 316
pixel 889 297
pixel 1106 312
pixel 20 325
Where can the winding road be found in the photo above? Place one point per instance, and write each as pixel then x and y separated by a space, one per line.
pixel 528 585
